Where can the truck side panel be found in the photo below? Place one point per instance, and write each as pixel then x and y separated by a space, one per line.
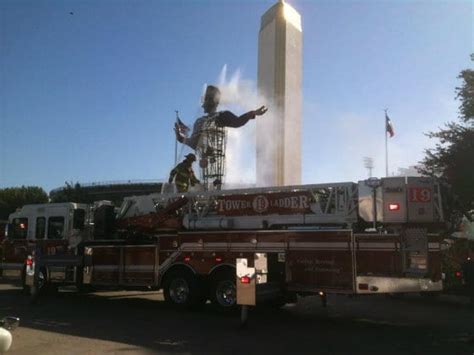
pixel 140 265
pixel 379 255
pixel 105 265
pixel 122 265
pixel 320 261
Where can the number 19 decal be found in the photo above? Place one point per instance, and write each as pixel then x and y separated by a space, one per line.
pixel 419 194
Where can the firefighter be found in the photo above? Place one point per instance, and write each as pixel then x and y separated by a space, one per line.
pixel 183 174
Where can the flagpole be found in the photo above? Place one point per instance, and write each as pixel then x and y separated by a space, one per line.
pixel 386 144
pixel 176 142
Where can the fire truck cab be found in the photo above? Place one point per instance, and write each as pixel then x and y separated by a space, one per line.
pixel 42 229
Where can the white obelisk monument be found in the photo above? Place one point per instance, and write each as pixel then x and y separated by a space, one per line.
pixel 279 81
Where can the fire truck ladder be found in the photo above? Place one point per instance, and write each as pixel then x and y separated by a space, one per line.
pixel 330 205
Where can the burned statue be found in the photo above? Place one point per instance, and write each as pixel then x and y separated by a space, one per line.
pixel 208 137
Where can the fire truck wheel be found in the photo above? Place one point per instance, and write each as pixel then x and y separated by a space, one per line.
pixel 223 293
pixel 181 289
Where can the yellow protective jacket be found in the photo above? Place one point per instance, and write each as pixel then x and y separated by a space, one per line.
pixel 183 176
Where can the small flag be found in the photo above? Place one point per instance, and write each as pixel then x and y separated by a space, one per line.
pixel 389 126
pixel 182 128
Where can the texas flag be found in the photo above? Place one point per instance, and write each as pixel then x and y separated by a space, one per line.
pixel 389 126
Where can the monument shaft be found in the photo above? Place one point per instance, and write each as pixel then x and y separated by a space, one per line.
pixel 279 82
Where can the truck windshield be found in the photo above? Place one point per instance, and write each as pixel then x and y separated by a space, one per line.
pixel 55 227
pixel 18 229
pixel 124 208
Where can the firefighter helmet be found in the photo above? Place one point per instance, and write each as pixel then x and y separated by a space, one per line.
pixel 191 157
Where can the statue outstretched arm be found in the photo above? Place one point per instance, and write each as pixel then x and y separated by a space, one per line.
pixel 228 119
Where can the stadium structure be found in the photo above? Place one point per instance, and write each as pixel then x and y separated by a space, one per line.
pixel 114 191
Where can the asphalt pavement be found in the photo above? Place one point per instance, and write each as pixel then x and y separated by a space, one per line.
pixel 141 323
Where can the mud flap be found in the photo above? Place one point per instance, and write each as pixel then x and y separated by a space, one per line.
pixel 248 278
pixel 246 283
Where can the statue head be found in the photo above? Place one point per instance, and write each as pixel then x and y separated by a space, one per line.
pixel 211 99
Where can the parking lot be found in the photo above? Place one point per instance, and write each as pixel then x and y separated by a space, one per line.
pixel 140 322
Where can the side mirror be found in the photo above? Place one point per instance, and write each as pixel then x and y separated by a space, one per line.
pixel 10 323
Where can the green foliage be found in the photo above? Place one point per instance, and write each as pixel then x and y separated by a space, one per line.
pixel 453 258
pixel 465 93
pixel 15 197
pixel 452 159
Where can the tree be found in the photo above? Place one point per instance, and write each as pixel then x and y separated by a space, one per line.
pixel 466 94
pixel 14 197
pixel 452 159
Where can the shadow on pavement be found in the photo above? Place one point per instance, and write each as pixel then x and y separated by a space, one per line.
pixel 304 328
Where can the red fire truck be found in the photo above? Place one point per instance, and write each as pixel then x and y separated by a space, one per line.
pixel 370 237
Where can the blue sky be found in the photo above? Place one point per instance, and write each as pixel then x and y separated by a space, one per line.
pixel 90 96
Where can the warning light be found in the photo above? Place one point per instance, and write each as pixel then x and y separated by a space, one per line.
pixel 245 279
pixel 22 225
pixel 218 259
pixel 393 206
pixel 458 274
pixel 187 258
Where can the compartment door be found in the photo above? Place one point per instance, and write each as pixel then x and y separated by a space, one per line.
pixel 415 251
pixel 321 261
pixel 139 265
pixel 105 261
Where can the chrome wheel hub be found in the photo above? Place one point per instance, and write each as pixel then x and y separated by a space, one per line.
pixel 226 293
pixel 179 291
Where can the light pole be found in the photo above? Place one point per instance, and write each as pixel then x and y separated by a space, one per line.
pixel 369 165
pixel 374 183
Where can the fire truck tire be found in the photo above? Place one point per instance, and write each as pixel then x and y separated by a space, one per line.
pixel 223 293
pixel 182 290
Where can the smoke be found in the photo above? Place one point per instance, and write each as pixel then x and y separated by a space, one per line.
pixel 239 96
pixel 270 143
